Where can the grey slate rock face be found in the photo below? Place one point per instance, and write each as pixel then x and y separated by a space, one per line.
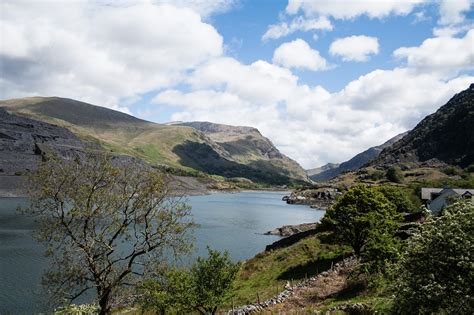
pixel 24 141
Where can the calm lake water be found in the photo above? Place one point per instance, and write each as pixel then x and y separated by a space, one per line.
pixel 233 222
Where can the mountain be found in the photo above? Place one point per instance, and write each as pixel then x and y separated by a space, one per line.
pixel 321 169
pixel 181 148
pixel 333 170
pixel 24 141
pixel 446 136
pixel 247 146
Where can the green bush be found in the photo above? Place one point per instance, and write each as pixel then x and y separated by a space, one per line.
pixel 399 197
pixel 395 175
pixel 451 171
pixel 212 279
pixel 376 175
pixel 437 271
pixel 470 168
pixel 203 288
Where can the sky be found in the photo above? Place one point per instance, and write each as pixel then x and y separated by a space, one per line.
pixel 322 79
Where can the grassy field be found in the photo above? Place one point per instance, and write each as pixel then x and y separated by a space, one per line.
pixel 266 274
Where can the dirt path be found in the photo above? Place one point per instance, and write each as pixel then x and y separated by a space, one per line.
pixel 314 292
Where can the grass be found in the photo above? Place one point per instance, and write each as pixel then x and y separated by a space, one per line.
pixel 154 143
pixel 268 272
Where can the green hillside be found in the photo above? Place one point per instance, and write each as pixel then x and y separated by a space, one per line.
pixel 179 147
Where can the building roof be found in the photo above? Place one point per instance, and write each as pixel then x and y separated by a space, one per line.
pixel 426 192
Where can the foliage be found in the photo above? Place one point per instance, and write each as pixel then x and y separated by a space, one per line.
pixel 202 288
pixel 466 181
pixel 399 197
pixel 451 170
pixel 395 175
pixel 436 273
pixel 382 248
pixel 212 279
pixel 470 168
pixel 358 214
pixel 104 225
pixel 74 309
pixel 170 290
pixel 376 175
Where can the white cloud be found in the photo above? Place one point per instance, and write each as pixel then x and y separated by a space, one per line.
pixel 452 20
pixel 308 123
pixel 355 48
pixel 97 53
pixel 451 11
pixel 298 54
pixel 340 9
pixel 80 50
pixel 443 56
pixel 300 23
pixel 204 8
pixel 260 81
pixel 206 100
pixel 452 30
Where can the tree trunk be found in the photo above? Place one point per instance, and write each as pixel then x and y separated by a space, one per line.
pixel 104 302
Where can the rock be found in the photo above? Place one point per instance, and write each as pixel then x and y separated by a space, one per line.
pixel 289 230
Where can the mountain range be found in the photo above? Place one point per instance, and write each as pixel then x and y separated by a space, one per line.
pixel 30 127
pixel 444 137
pixel 331 170
pixel 188 149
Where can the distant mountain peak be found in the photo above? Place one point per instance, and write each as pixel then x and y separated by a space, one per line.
pixel 332 170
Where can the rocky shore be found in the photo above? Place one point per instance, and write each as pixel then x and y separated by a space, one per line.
pixel 319 198
pixel 289 230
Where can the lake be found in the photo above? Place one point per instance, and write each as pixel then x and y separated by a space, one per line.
pixel 233 222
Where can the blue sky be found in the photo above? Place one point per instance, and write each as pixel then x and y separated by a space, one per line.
pixel 323 79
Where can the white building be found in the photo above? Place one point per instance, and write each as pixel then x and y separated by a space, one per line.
pixel 436 199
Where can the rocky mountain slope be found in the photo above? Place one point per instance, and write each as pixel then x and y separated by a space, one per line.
pixel 181 148
pixel 24 142
pixel 333 170
pixel 321 169
pixel 246 145
pixel 446 136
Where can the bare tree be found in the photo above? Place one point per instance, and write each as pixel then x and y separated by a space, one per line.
pixel 104 225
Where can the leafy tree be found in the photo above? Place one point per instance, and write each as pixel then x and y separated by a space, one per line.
pixel 399 198
pixel 104 225
pixel 437 272
pixel 212 278
pixel 395 175
pixel 172 290
pixel 382 248
pixel 202 288
pixel 358 214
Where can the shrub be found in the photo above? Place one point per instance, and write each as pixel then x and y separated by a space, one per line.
pixel 399 197
pixel 450 170
pixel 470 168
pixel 203 288
pixel 395 175
pixel 436 273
